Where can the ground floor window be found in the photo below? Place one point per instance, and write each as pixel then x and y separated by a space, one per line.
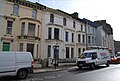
pixel 49 50
pixel 72 52
pixel 6 46
pixel 21 47
pixel 67 52
pixel 79 52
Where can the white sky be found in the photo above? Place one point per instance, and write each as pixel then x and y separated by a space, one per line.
pixel 91 9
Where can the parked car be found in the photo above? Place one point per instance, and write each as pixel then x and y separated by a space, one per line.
pixel 114 60
pixel 16 64
pixel 118 55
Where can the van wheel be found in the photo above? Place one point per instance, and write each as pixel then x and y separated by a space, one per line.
pixel 108 64
pixel 80 67
pixel 22 73
pixel 92 66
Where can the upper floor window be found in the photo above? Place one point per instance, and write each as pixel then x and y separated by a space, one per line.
pixel 72 37
pixel 31 29
pixel 56 33
pixel 88 29
pixel 9 27
pixel 66 36
pixel 38 31
pixel 15 9
pixel 51 18
pixel 93 31
pixel 83 38
pixel 81 27
pixel 22 28
pixel 93 40
pixel 73 24
pixel 49 33
pixel 34 14
pixel 64 21
pixel 89 40
pixel 79 38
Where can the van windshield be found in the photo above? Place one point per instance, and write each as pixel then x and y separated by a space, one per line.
pixel 118 54
pixel 88 55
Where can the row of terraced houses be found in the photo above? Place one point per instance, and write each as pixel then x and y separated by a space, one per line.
pixel 49 33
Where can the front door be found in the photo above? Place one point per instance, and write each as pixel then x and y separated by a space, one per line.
pixel 6 46
pixel 30 48
pixel 56 52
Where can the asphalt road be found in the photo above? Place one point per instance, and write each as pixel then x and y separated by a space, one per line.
pixel 101 73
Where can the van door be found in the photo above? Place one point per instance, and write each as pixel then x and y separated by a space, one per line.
pixel 100 61
pixel 7 63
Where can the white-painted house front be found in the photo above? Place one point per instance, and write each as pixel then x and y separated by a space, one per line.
pixel 63 36
pixel 91 29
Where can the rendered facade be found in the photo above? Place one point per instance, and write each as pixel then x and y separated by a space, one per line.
pixel 20 29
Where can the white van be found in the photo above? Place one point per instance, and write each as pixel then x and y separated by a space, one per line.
pixel 93 58
pixel 16 64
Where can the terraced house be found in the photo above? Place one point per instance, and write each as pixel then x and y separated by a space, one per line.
pixel 63 35
pixel 20 26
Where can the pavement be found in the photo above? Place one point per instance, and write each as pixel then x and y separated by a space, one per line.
pixel 52 69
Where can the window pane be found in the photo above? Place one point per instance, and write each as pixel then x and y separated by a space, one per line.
pixel 83 38
pixel 9 27
pixel 93 40
pixel 72 37
pixel 66 36
pixel 67 52
pixel 73 24
pixel 89 39
pixel 21 47
pixel 83 49
pixel 38 30
pixel 15 9
pixel 81 27
pixel 49 51
pixel 34 14
pixel 49 33
pixel 51 18
pixel 79 52
pixel 31 29
pixel 79 38
pixel 72 52
pixel 64 21
pixel 56 33
pixel 22 28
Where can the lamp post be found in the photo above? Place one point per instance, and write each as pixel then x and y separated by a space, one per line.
pixel 55 53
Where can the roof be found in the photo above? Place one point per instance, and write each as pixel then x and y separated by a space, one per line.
pixel 29 4
pixel 71 15
pixel 94 24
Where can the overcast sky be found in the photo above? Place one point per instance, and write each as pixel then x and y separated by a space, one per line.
pixel 91 9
